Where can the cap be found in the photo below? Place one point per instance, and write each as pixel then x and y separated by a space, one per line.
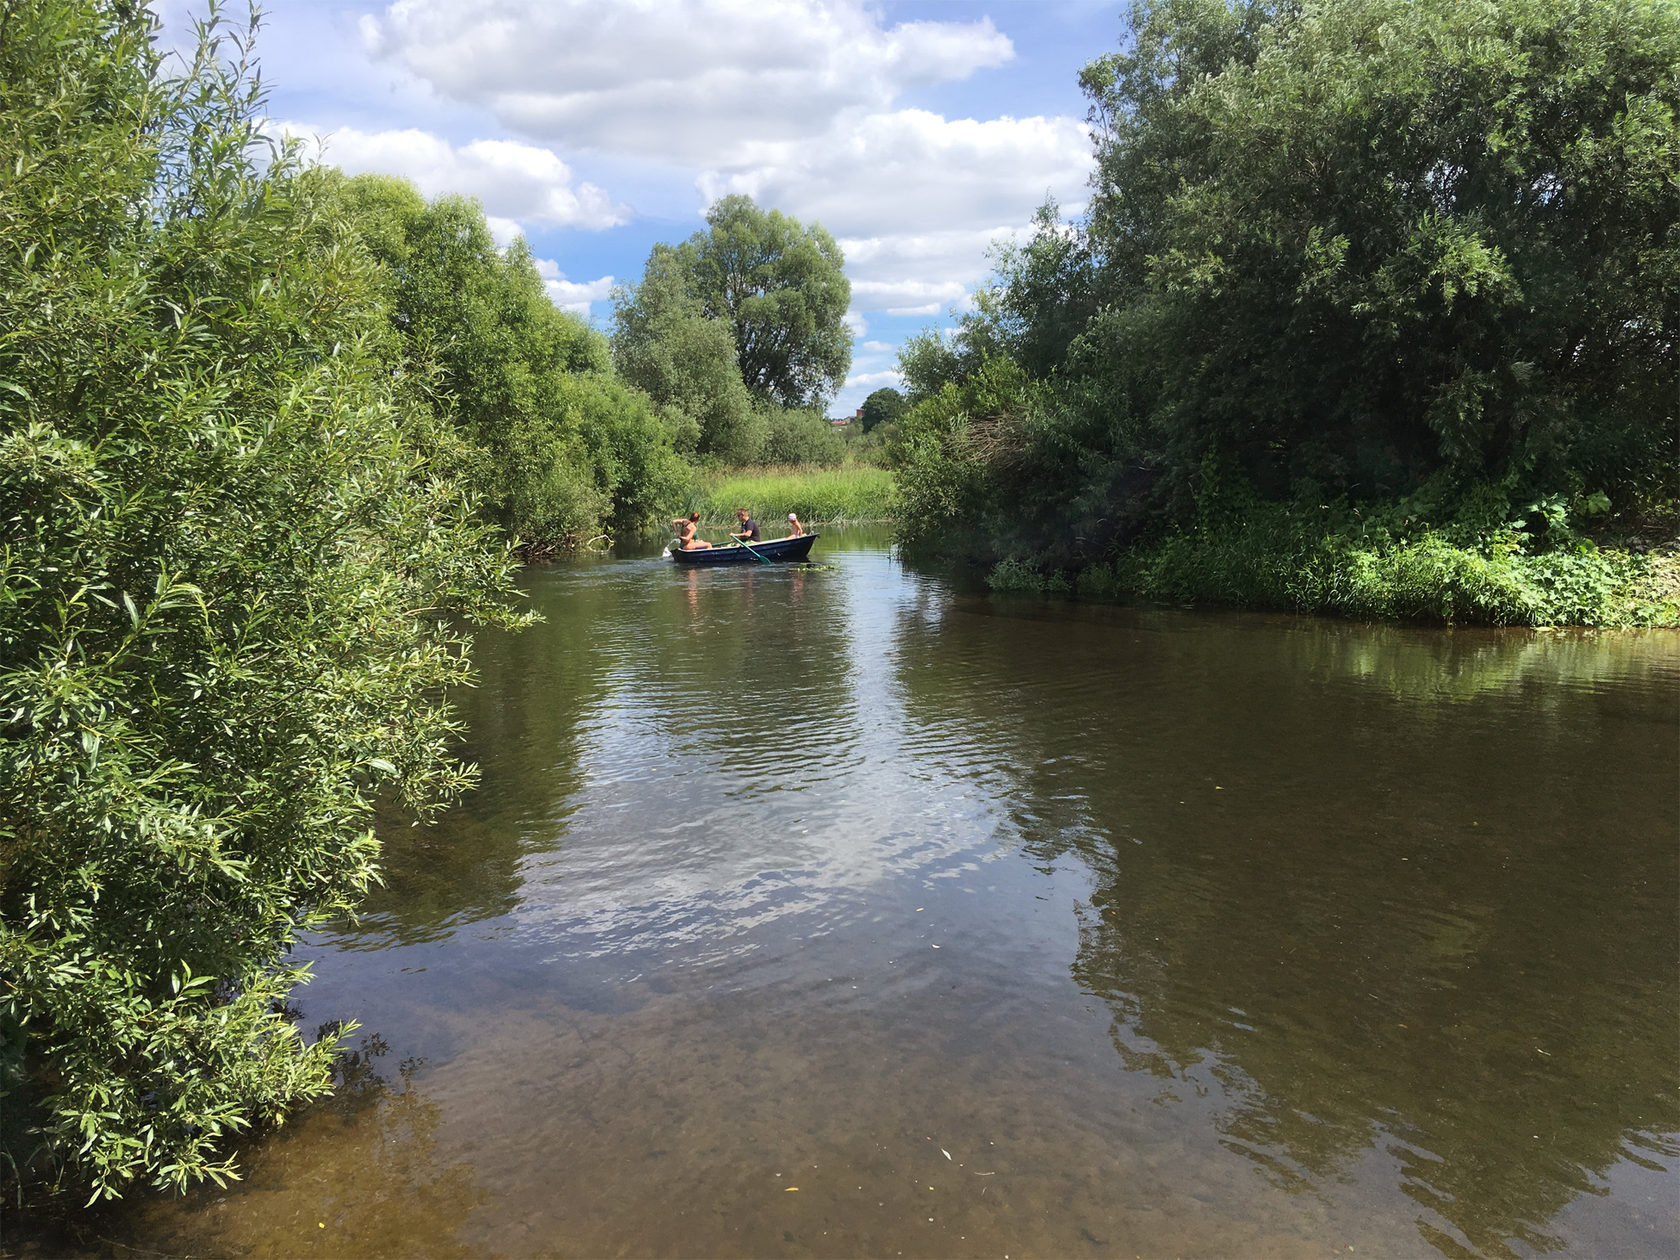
pixel 792 517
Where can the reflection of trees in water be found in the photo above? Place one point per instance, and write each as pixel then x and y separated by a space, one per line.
pixel 525 732
pixel 1418 913
pixel 633 671
pixel 1433 666
pixel 1512 1050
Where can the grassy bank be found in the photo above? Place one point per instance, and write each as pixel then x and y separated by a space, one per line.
pixel 817 494
pixel 1277 560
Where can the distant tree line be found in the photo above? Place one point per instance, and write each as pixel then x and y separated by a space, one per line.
pixel 1416 258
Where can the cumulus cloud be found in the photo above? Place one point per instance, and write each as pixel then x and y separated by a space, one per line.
pixel 517 183
pixel 875 380
pixel 914 199
pixel 686 81
pixel 572 295
pixel 917 171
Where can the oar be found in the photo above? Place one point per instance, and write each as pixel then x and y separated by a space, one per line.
pixel 756 556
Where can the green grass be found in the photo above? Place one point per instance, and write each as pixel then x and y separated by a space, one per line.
pixel 818 495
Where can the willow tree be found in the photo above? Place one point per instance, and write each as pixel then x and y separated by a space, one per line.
pixel 776 284
pixel 231 566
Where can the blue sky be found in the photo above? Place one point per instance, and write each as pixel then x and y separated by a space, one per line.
pixel 915 132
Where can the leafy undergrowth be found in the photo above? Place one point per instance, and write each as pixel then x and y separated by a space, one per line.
pixel 1534 571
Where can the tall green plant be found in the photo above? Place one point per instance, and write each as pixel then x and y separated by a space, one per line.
pixel 230 564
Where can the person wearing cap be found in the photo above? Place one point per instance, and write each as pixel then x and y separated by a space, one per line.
pixel 748 533
pixel 795 529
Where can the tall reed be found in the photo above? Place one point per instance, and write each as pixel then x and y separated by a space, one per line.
pixel 817 494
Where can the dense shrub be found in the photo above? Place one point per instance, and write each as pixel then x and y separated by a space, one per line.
pixel 1377 245
pixel 562 450
pixel 232 557
pixel 801 437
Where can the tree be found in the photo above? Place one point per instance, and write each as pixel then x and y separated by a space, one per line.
pixel 664 343
pixel 1374 248
pixel 1364 242
pixel 777 285
pixel 882 407
pixel 233 559
pixel 529 386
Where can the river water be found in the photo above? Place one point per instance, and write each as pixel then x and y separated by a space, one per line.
pixel 835 912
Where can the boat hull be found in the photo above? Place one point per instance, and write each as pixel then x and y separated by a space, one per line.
pixel 781 550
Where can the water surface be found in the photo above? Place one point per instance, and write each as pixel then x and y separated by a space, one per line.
pixel 838 912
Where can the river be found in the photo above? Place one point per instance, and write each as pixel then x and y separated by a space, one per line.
pixel 836 911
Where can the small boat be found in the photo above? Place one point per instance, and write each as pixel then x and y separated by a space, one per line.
pixel 780 549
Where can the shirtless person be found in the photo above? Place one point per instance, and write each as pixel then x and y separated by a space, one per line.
pixel 685 527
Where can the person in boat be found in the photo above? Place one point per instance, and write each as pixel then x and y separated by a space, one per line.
pixel 795 529
pixel 685 527
pixel 747 531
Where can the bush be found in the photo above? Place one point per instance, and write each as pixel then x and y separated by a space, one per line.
pixel 1282 558
pixel 562 450
pixel 801 437
pixel 230 564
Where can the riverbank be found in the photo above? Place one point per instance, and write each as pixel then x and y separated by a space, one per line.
pixel 817 495
pixel 1274 562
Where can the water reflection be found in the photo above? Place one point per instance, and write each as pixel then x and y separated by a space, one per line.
pixel 1008 928
pixel 1372 890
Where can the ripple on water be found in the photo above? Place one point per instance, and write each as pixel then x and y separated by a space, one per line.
pixel 1179 933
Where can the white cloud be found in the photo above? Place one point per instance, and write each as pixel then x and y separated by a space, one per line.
pixel 885 292
pixel 687 81
pixel 855 323
pixel 503 230
pixel 517 183
pixel 572 295
pixel 915 199
pixel 878 347
pixel 916 171
pixel 875 380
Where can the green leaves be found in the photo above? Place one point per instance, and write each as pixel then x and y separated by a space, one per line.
pixel 234 553
pixel 554 449
pixel 753 308
pixel 1363 243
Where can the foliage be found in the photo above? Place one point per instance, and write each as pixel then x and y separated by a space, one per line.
pixel 827 494
pixel 780 286
pixel 562 449
pixel 1399 563
pixel 777 286
pixel 802 437
pixel 1379 239
pixel 882 407
pixel 986 466
pixel 230 554
pixel 1363 243
pixel 665 344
